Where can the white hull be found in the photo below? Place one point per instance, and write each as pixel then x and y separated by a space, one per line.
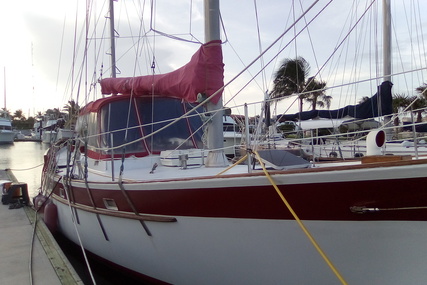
pixel 232 143
pixel 351 149
pixel 228 250
pixel 6 133
pixel 64 134
pixel 249 251
pixel 49 136
pixel 6 137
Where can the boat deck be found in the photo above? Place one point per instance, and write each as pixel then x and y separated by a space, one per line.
pixel 20 251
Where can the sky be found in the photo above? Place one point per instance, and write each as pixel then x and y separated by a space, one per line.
pixel 41 55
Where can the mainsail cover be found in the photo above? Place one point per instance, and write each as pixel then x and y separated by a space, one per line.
pixel 203 74
pixel 365 110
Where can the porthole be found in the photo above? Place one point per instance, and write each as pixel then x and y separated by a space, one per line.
pixel 110 204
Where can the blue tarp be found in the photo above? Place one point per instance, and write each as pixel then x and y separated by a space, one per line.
pixel 367 109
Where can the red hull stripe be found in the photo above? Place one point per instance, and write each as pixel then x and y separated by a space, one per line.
pixel 321 201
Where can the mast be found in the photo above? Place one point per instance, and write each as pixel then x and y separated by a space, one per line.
pixel 113 43
pixel 4 86
pixel 216 156
pixel 386 40
pixel 386 59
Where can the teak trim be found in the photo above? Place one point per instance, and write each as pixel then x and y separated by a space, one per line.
pixel 118 214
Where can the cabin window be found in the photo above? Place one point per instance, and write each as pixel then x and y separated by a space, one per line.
pixel 125 121
pixel 87 127
pixel 121 125
pixel 128 121
pixel 178 136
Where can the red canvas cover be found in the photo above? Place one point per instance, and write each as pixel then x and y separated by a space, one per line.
pixel 203 74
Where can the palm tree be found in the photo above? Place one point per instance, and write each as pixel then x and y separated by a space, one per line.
pixel 419 105
pixel 73 109
pixel 399 101
pixel 18 115
pixel 317 96
pixel 292 78
pixel 422 90
pixel 7 115
pixel 421 102
pixel 53 114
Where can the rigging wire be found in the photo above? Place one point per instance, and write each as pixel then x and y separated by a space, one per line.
pixel 60 52
pixel 282 49
pixel 228 83
pixel 263 76
pixel 342 84
pixel 260 47
pixel 421 32
pixel 341 42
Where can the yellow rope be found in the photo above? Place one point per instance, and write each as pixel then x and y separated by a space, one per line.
pixel 231 166
pixel 310 237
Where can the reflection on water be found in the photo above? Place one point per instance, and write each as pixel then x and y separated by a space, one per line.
pixel 25 159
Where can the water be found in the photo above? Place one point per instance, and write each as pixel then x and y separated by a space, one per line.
pixel 25 159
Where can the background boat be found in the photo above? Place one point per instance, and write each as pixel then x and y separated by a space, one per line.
pixel 6 133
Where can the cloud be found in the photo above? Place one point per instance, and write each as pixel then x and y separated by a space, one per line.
pixel 41 55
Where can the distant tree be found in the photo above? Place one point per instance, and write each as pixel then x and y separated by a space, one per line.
pixel 72 108
pixel 21 123
pixel 421 103
pixel 422 90
pixel 18 115
pixel 317 96
pixel 7 111
pixel 31 121
pixel 419 106
pixel 399 101
pixel 292 78
pixel 54 113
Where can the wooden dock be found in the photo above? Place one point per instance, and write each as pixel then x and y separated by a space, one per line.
pixel 30 254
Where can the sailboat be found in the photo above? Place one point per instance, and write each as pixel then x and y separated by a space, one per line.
pixel 6 133
pixel 341 133
pixel 140 189
pixel 335 143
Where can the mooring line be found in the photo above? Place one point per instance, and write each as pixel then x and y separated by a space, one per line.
pixel 300 223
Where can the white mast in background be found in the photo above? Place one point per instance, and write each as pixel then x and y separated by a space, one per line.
pixel 386 40
pixel 386 58
pixel 113 42
pixel 216 156
pixel 4 86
